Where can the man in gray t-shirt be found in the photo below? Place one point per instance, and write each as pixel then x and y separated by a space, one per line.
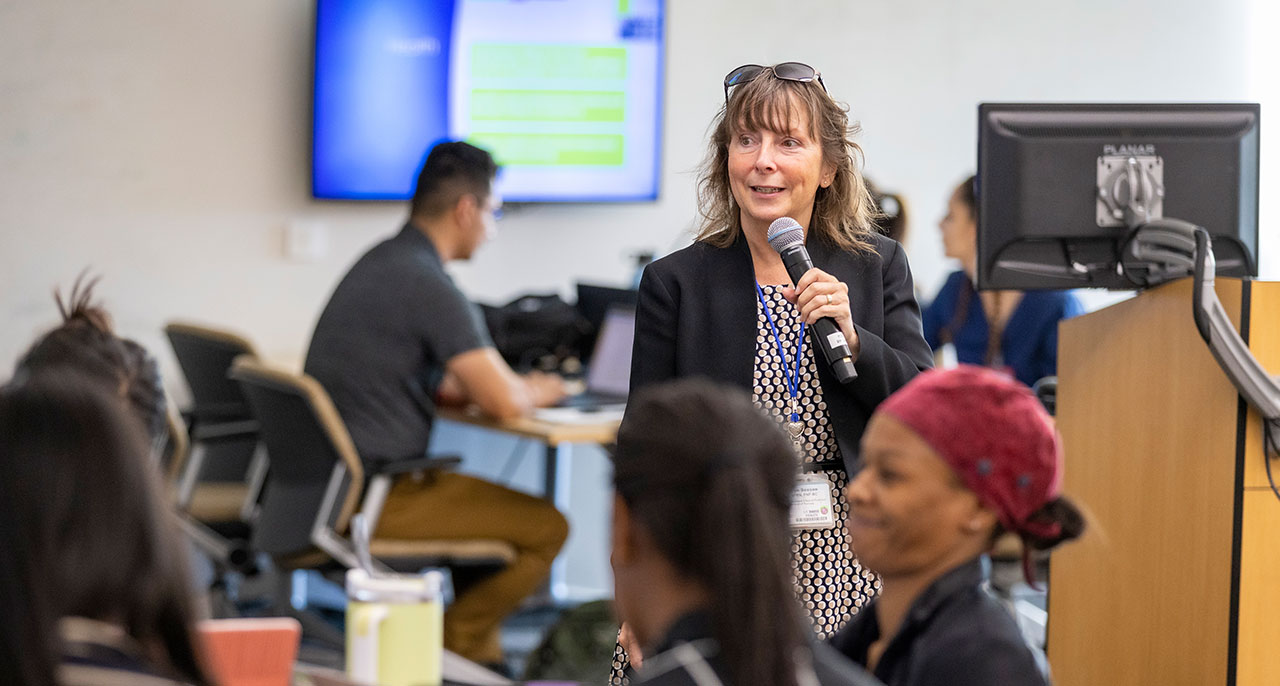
pixel 382 344
pixel 396 338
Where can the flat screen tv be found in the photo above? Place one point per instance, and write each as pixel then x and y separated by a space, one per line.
pixel 1061 185
pixel 566 94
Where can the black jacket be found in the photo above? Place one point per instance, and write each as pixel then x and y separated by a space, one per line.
pixel 955 634
pixel 696 316
pixel 688 656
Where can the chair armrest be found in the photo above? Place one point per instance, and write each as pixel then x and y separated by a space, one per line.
pixel 209 430
pixel 397 467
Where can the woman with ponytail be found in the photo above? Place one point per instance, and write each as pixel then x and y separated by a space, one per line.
pixel 701 544
pixel 954 460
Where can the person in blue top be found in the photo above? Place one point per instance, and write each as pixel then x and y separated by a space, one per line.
pixel 1009 330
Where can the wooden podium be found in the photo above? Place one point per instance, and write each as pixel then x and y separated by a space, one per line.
pixel 1178 581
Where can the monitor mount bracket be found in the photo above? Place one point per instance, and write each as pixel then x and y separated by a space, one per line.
pixel 1130 189
pixel 1165 249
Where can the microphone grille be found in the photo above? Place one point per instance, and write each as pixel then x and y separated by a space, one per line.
pixel 784 233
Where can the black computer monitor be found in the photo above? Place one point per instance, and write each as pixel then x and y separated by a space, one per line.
pixel 1054 180
pixel 594 302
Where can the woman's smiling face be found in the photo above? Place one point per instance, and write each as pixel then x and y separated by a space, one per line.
pixel 775 173
pixel 909 513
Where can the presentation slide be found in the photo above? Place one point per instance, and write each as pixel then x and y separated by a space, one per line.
pixel 565 93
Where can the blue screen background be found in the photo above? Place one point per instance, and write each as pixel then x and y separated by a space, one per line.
pixel 370 131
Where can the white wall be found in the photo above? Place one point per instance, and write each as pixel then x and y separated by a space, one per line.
pixel 164 143
pixel 1264 87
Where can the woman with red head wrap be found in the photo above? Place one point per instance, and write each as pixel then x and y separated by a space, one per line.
pixel 953 460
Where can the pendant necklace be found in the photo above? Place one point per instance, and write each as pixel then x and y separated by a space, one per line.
pixel 790 372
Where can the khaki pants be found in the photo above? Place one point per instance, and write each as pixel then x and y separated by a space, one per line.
pixel 445 505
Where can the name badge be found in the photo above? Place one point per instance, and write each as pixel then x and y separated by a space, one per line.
pixel 811 506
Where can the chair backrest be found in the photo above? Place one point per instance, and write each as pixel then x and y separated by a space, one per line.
pixel 176 447
pixel 205 356
pixel 315 475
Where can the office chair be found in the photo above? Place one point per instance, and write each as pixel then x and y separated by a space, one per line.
pixel 205 355
pixel 317 481
pixel 216 515
pixel 222 430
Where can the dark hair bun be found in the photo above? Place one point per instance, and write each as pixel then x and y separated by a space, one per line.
pixel 79 308
pixel 1068 517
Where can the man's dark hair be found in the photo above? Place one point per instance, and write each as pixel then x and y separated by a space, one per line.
pixel 452 169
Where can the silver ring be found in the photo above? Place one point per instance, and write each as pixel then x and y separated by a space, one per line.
pixel 828 299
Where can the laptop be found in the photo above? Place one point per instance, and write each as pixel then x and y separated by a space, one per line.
pixel 594 302
pixel 609 374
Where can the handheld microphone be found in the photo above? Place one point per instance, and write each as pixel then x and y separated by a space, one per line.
pixel 786 236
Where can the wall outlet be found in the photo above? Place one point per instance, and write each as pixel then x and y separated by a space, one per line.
pixel 306 241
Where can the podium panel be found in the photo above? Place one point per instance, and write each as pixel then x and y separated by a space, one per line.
pixel 1156 444
pixel 1258 656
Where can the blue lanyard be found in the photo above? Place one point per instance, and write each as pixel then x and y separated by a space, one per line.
pixel 792 373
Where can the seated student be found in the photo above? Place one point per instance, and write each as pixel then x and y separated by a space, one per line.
pixel 92 579
pixel 891 217
pixel 953 459
pixel 1009 330
pixel 396 337
pixel 695 461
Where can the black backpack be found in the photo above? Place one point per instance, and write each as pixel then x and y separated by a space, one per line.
pixel 537 331
pixel 578 647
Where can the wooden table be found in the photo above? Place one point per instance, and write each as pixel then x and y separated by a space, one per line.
pixel 553 435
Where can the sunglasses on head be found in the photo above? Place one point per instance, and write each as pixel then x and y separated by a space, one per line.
pixel 787 71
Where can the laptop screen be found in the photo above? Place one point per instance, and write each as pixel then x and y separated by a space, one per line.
pixel 610 369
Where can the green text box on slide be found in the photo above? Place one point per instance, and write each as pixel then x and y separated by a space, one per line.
pixel 558 105
pixel 547 61
pixel 552 149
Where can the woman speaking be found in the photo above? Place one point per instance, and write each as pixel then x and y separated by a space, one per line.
pixel 726 308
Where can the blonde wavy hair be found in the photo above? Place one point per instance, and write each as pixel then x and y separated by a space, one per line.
pixel 843 213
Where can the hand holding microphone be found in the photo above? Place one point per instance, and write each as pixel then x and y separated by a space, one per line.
pixel 816 293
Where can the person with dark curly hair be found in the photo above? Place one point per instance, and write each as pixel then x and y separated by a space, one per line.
pixel 86 344
pixel 93 572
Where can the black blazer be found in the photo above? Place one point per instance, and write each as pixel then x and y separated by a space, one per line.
pixel 696 316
